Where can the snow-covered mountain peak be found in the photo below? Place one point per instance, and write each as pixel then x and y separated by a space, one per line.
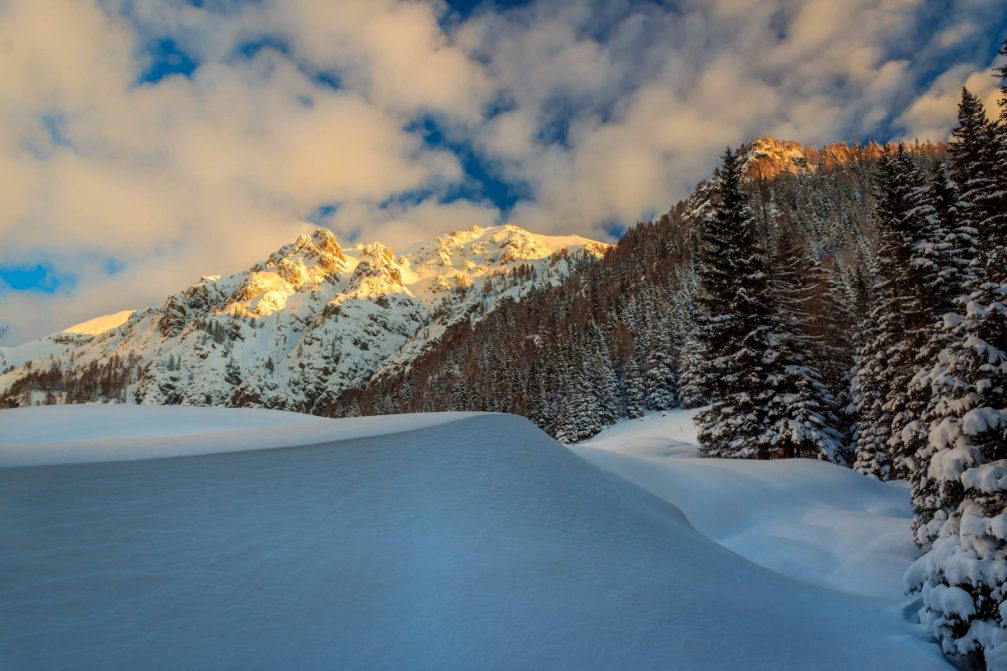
pixel 377 274
pixel 318 249
pixel 301 328
pixel 462 256
pixel 299 267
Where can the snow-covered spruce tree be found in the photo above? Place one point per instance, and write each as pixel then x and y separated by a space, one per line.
pixel 692 357
pixel 931 282
pixel 965 214
pixel 578 415
pixel 660 381
pixel 804 421
pixel 887 363
pixel 926 296
pixel 736 325
pixel 963 576
pixel 957 259
pixel 857 297
pixel 976 160
pixel 872 456
pixel 951 254
pixel 605 384
pixel 692 360
pixel 634 400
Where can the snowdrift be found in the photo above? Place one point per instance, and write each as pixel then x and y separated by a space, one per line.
pixel 804 518
pixel 476 543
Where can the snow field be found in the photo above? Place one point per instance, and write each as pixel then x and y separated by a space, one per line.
pixel 475 542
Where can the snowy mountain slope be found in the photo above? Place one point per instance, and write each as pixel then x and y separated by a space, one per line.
pixel 804 518
pixel 39 349
pixel 297 330
pixel 478 543
pixel 58 343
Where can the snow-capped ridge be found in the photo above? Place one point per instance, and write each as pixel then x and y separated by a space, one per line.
pixel 98 325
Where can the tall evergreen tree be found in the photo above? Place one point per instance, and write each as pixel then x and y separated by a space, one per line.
pixel 660 381
pixel 633 389
pixel 736 323
pixel 692 358
pixel 803 410
pixel 950 255
pixel 889 430
pixel 975 152
pixel 963 576
pixel 874 381
pixel 962 501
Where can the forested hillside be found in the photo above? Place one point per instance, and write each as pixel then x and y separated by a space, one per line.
pixel 623 335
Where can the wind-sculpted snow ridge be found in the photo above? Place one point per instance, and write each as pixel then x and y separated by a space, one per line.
pixel 76 434
pixel 477 543
pixel 295 331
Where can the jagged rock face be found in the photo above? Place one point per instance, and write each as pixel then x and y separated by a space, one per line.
pixel 299 329
pixel 768 157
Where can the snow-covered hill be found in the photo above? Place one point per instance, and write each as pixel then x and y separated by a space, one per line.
pixel 428 542
pixel 295 331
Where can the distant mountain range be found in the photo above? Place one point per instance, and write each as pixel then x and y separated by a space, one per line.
pixel 296 330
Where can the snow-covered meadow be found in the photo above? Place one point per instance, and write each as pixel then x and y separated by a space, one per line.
pixel 434 542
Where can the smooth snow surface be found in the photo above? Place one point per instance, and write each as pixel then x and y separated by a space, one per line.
pixel 807 519
pixel 479 543
pixel 68 434
pixel 668 431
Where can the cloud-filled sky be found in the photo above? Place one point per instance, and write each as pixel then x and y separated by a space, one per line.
pixel 145 143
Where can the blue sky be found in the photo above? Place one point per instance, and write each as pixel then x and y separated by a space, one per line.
pixel 38 277
pixel 156 141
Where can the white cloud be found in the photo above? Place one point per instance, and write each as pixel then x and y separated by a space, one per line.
pixel 602 110
pixel 932 114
